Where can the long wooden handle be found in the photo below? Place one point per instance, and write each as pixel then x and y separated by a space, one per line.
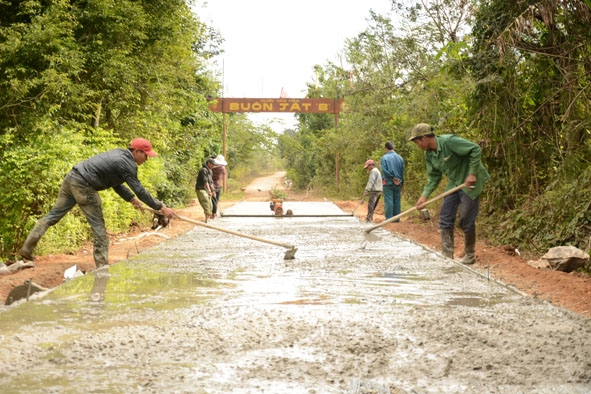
pixel 225 230
pixel 439 197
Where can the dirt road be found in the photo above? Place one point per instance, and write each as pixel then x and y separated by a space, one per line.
pixel 260 188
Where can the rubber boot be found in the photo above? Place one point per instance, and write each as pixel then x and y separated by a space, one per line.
pixel 469 248
pixel 26 251
pixel 447 243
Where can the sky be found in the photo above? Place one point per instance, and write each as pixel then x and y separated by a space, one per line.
pixel 272 45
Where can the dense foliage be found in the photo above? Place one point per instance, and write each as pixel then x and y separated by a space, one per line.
pixel 531 66
pixel 82 77
pixel 510 75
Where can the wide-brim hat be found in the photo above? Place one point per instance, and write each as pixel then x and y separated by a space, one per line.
pixel 420 130
pixel 220 160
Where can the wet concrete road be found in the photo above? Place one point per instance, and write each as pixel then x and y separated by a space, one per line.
pixel 210 312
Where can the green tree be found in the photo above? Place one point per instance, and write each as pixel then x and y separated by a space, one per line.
pixel 390 78
pixel 531 64
pixel 90 76
pixel 252 149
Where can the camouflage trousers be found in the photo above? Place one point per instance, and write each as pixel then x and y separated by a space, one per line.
pixel 75 190
pixel 205 201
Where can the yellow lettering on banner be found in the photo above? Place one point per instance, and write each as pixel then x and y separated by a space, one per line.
pixel 281 105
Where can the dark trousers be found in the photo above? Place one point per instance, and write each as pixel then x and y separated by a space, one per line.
pixel 216 199
pixel 468 212
pixel 392 200
pixel 372 203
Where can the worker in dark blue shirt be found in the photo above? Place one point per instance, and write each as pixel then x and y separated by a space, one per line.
pixel 393 178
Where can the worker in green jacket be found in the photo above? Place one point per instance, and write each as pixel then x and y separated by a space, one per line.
pixel 460 160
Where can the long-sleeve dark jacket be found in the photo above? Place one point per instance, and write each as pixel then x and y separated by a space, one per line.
pixel 112 169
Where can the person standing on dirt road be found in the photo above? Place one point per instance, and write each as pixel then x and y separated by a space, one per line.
pixel 373 189
pixel 392 179
pixel 81 186
pixel 205 189
pixel 218 175
pixel 460 160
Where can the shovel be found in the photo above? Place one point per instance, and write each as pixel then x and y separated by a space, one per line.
pixel 289 255
pixel 373 238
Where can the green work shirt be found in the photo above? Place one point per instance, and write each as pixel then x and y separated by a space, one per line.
pixel 457 158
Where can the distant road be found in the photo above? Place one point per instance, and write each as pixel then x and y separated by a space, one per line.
pixel 259 189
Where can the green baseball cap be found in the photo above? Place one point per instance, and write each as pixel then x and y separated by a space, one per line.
pixel 420 130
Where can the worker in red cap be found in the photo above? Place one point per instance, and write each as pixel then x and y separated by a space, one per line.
pixel 81 185
pixel 373 189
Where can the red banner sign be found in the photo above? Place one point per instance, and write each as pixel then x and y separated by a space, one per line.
pixel 307 105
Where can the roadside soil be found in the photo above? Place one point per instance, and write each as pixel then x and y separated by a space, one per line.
pixel 568 290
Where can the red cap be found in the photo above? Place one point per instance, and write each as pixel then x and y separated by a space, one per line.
pixel 369 163
pixel 143 145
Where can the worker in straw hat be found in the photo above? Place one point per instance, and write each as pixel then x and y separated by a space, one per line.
pixel 218 175
pixel 460 161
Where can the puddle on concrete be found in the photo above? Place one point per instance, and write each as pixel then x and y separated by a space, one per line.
pixel 475 300
pixel 122 288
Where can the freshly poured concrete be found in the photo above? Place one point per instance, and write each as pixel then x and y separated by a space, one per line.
pixel 210 312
